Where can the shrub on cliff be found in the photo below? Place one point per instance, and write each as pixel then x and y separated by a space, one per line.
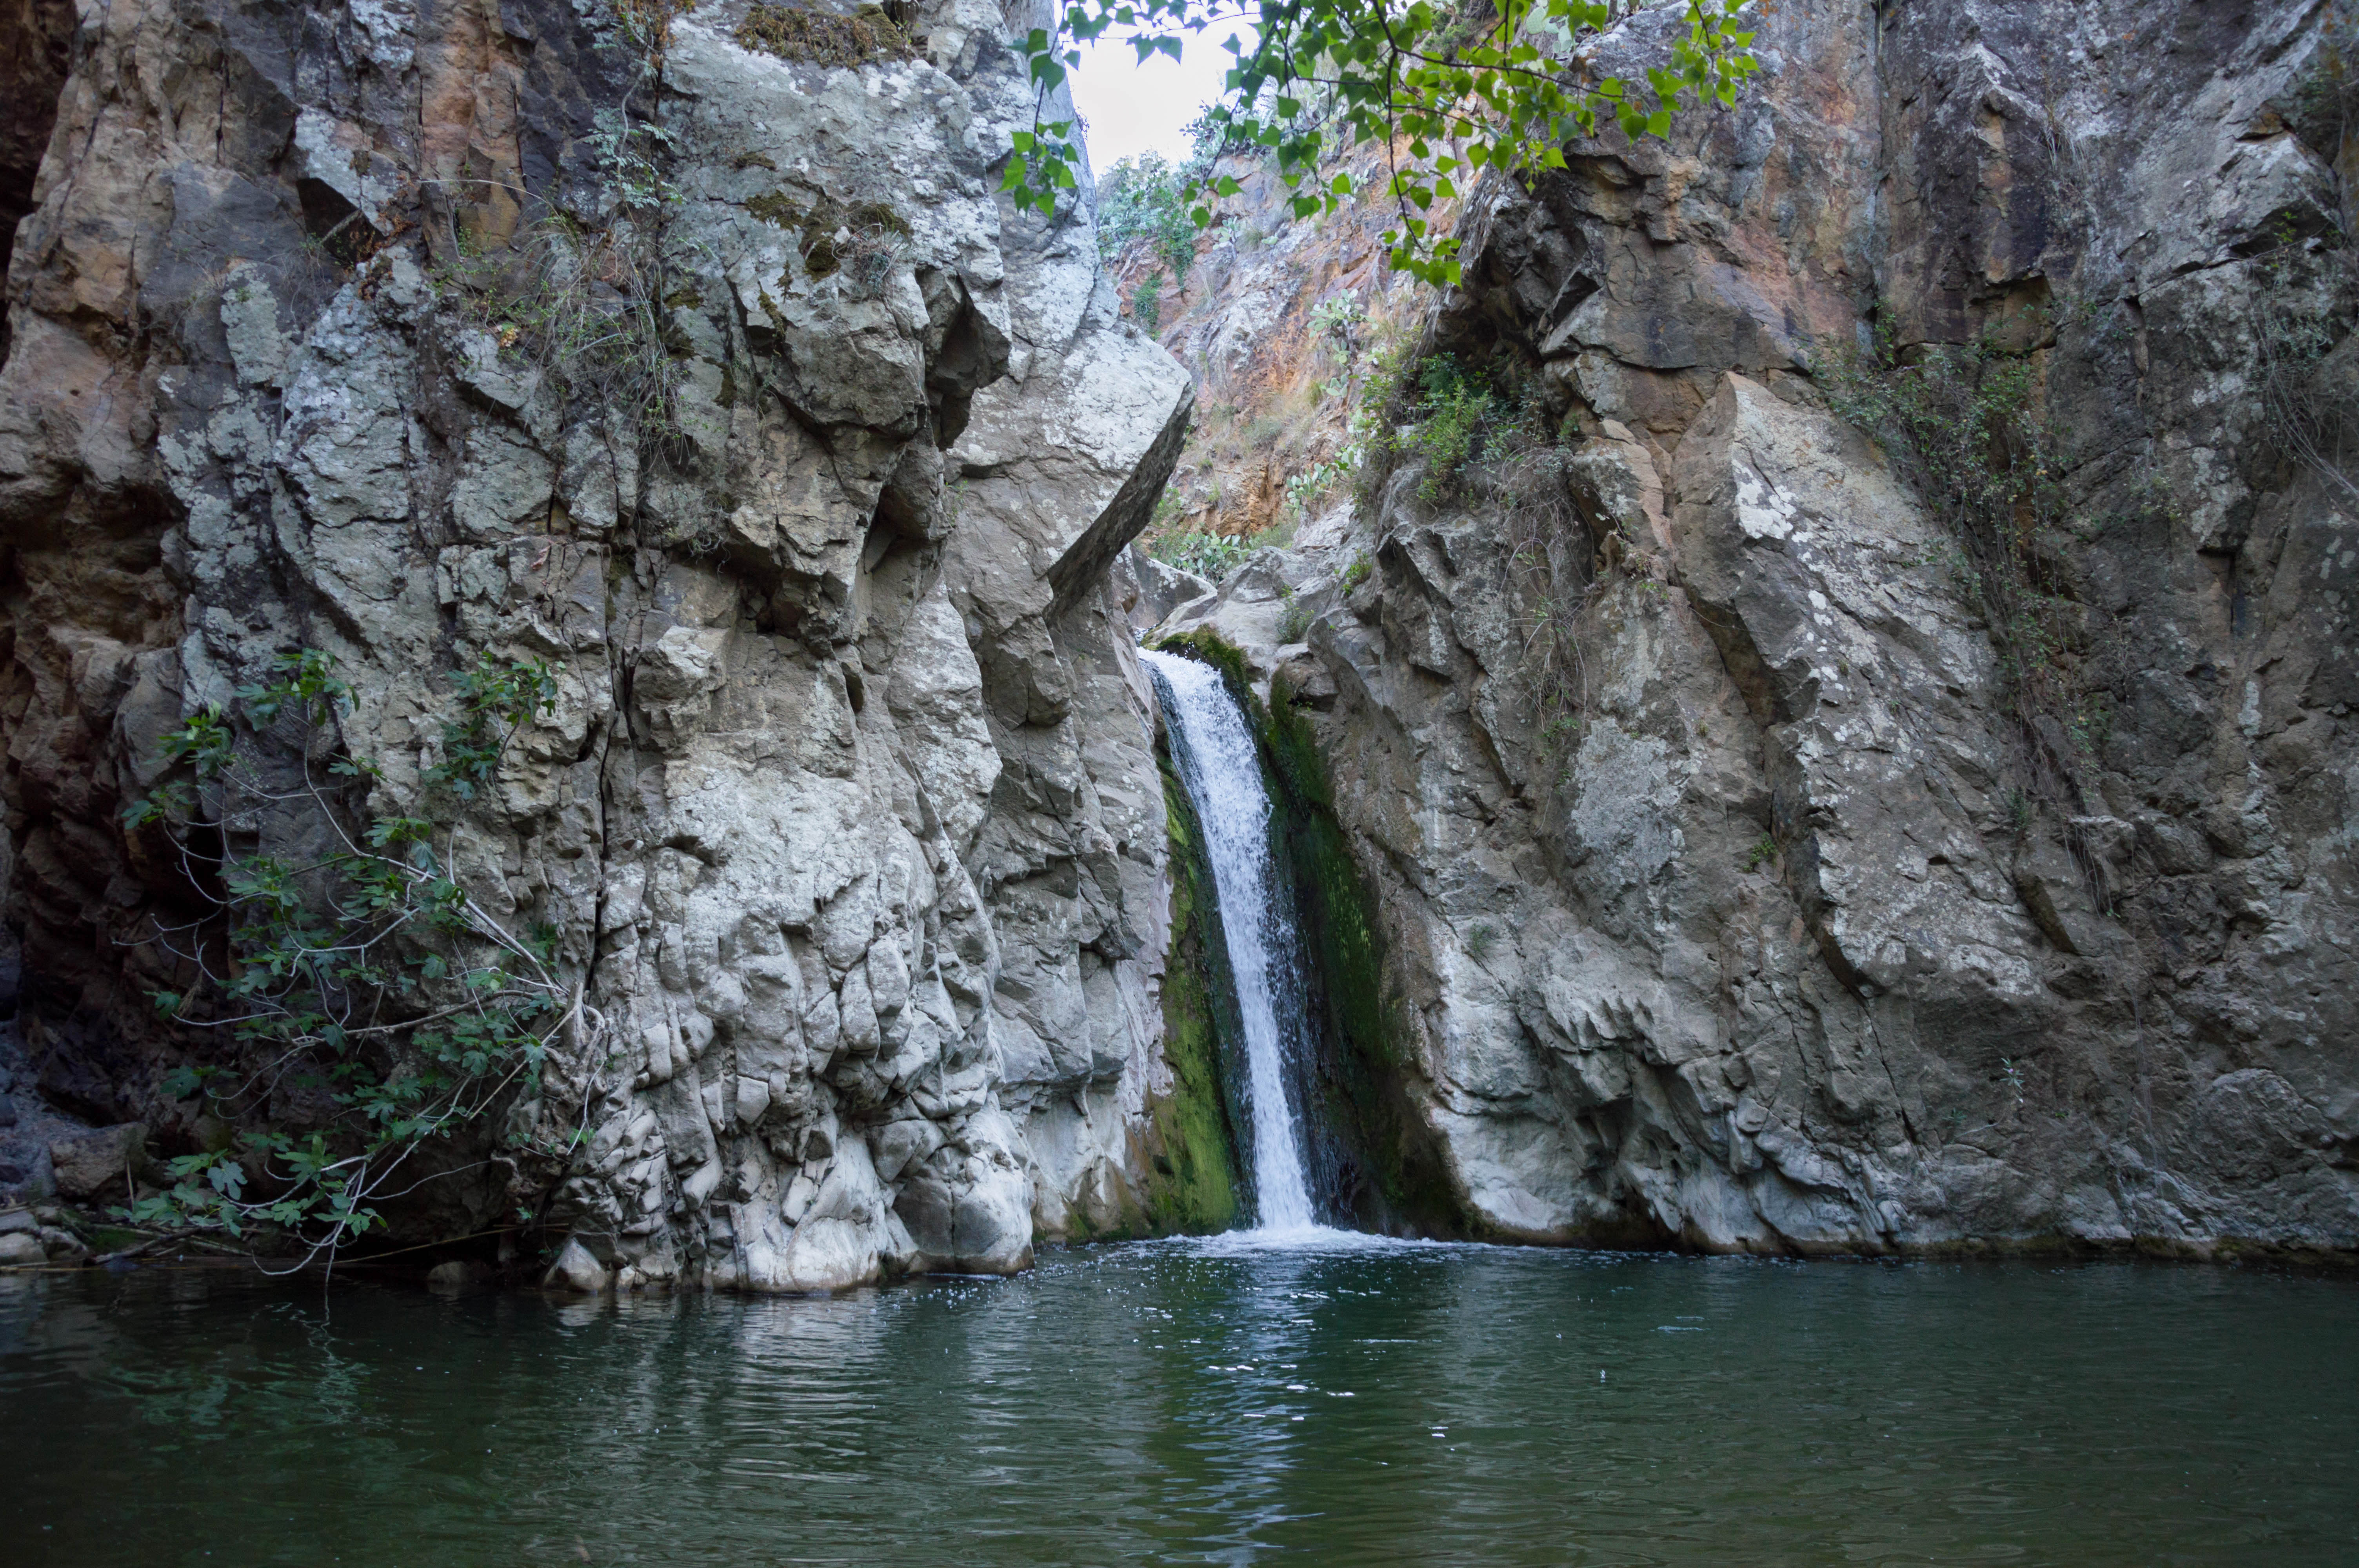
pixel 1144 201
pixel 356 978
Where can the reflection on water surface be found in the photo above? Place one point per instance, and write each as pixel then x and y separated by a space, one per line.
pixel 1200 1402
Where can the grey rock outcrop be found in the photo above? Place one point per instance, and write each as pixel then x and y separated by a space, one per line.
pixel 1723 896
pixel 845 822
pixel 103 1162
pixel 1722 902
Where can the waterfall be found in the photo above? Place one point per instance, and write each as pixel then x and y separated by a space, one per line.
pixel 1221 771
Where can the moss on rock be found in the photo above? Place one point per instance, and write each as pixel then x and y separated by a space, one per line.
pixel 1195 1173
pixel 1208 646
pixel 1364 1060
pixel 824 38
pixel 1371 1146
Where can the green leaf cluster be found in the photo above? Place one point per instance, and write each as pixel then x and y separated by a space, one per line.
pixel 1146 199
pixel 1449 415
pixel 1448 96
pixel 365 977
pixel 1146 302
pixel 1209 556
pixel 494 700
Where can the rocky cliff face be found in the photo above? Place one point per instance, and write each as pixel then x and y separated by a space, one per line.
pixel 845 822
pixel 1729 888
pixel 1734 894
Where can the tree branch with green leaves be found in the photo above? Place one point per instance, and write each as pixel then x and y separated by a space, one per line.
pixel 361 974
pixel 1458 93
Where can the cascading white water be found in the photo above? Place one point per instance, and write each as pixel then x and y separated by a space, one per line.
pixel 1221 771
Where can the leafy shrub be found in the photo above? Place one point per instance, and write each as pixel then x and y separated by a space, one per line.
pixel 1140 200
pixel 365 974
pixel 1448 415
pixel 1336 323
pixel 1457 411
pixel 1209 556
pixel 1304 490
pixel 1145 306
pixel 1293 619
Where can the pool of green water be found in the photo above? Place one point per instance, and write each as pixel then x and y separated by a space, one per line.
pixel 1199 1402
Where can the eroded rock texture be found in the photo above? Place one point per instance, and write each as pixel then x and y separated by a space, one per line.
pixel 846 819
pixel 1744 919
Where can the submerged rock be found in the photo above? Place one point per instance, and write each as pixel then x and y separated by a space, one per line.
pixel 574 1270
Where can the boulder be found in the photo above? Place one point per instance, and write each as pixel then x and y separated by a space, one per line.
pixel 576 1269
pixel 101 1163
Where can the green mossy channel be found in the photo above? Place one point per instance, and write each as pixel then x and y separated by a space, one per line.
pixel 1380 1162
pixel 1195 1178
pixel 1188 1155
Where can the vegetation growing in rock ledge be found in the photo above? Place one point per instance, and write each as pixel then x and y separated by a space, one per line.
pixel 348 1002
pixel 581 300
pixel 1448 415
pixel 1143 199
pixel 1209 556
pixel 859 242
pixel 822 37
pixel 1962 424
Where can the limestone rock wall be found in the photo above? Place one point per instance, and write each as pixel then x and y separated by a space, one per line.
pixel 846 819
pixel 1736 922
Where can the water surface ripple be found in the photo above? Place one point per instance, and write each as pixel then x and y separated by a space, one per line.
pixel 1232 1400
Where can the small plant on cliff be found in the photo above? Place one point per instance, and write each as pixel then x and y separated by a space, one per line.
pixel 1209 556
pixel 1143 202
pixel 582 297
pixel 1960 421
pixel 1450 416
pixel 1338 326
pixel 1448 91
pixel 1293 619
pixel 356 978
pixel 2306 306
pixel 815 36
pixel 1145 302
